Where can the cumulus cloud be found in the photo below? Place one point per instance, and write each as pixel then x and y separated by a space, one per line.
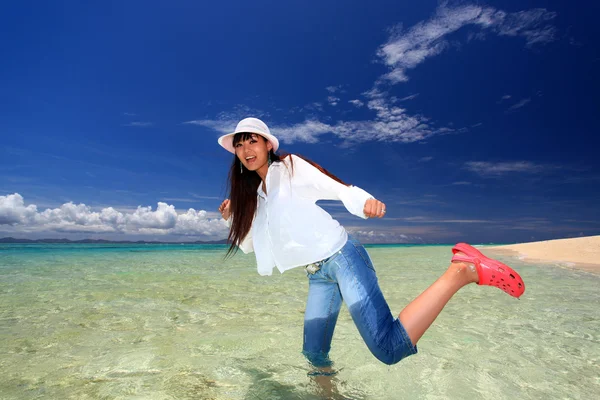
pixel 356 102
pixel 13 211
pixel 405 50
pixel 70 217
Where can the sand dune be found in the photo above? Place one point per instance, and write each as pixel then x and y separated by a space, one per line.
pixel 581 253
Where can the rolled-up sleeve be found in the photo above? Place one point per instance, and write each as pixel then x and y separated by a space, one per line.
pixel 318 186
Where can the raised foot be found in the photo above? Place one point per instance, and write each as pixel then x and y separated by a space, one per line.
pixel 490 272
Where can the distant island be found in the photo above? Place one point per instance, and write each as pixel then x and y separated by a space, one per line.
pixel 102 241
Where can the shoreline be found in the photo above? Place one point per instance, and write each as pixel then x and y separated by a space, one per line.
pixel 578 253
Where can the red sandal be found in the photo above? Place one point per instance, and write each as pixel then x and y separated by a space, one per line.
pixel 491 272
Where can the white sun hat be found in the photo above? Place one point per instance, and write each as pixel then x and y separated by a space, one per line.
pixel 252 125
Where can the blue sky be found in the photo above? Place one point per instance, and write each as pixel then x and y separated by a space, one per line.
pixel 472 121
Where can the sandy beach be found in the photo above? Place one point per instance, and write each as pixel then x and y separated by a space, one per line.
pixel 580 253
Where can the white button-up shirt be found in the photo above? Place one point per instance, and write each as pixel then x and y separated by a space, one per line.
pixel 289 230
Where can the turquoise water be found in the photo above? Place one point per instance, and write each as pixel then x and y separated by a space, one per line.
pixel 178 322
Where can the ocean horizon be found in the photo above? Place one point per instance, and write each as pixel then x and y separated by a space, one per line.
pixel 11 240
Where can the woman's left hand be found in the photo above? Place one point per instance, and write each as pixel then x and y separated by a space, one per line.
pixel 374 208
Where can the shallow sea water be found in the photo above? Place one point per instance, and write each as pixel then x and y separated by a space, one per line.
pixel 178 322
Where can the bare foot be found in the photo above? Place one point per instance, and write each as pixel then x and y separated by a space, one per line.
pixel 325 383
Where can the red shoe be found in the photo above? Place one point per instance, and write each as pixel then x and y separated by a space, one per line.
pixel 491 272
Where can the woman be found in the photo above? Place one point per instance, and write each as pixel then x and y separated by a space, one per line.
pixel 272 212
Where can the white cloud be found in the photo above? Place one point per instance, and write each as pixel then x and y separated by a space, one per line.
pixel 391 124
pixel 13 210
pixel 485 168
pixel 226 121
pixel 520 104
pixel 382 236
pixel 223 126
pixel 406 50
pixel 429 220
pixel 403 51
pixel 164 217
pixel 412 96
pixel 333 100
pixel 531 24
pixel 307 131
pixel 15 216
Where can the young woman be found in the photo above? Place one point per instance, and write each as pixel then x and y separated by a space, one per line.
pixel 272 212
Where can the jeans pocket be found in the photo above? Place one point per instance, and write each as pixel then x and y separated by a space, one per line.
pixel 316 276
pixel 360 249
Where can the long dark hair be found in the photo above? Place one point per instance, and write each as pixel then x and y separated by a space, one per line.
pixel 243 188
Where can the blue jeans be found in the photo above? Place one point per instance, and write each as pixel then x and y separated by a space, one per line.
pixel 349 275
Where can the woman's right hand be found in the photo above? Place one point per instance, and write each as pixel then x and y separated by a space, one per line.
pixel 224 209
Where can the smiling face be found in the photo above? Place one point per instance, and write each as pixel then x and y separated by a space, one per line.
pixel 252 150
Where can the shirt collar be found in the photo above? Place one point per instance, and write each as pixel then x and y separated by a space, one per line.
pixel 259 191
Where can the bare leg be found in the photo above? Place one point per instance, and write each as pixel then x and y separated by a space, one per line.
pixel 418 316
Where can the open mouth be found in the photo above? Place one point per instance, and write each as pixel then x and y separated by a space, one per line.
pixel 251 160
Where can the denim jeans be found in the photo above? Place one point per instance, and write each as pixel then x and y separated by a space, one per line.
pixel 349 275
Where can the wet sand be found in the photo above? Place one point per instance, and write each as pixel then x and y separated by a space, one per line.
pixel 579 253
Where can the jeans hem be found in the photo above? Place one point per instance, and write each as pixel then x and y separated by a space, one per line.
pixel 318 360
pixel 410 345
